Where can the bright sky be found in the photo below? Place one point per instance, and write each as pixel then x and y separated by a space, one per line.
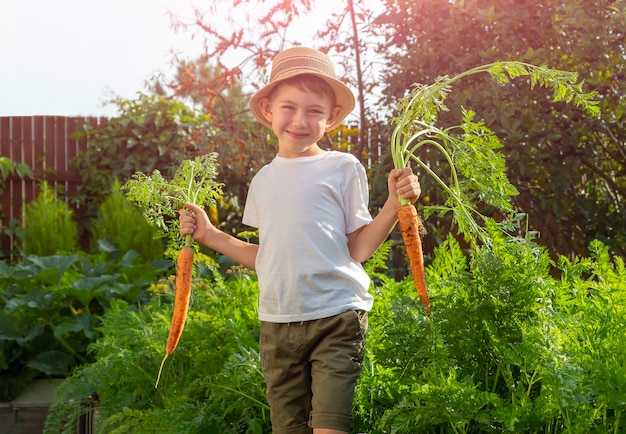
pixel 68 57
pixel 64 57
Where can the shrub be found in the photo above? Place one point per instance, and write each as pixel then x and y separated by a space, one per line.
pixel 50 310
pixel 50 226
pixel 211 383
pixel 121 224
pixel 151 132
pixel 509 348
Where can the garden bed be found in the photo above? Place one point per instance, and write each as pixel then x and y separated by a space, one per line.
pixel 27 413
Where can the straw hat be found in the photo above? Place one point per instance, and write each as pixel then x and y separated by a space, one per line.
pixel 301 60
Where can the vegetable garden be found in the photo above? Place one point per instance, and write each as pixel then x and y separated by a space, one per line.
pixel 509 348
pixel 515 341
pixel 502 334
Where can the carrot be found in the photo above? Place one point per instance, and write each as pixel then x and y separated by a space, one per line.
pixel 160 201
pixel 410 228
pixel 184 269
pixel 415 127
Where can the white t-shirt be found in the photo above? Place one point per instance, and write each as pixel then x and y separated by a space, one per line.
pixel 304 208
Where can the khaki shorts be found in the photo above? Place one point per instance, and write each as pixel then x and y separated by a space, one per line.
pixel 311 370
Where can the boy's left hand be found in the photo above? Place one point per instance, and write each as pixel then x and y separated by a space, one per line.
pixel 404 183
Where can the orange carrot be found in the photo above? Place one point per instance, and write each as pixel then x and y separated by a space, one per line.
pixel 184 269
pixel 410 228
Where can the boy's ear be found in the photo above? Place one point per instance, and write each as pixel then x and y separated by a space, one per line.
pixel 333 115
pixel 266 108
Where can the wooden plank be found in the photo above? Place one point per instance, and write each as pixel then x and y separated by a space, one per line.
pixel 56 149
pixel 5 141
pixel 70 150
pixel 5 127
pixel 29 156
pixel 13 185
pixel 16 154
pixel 5 200
pixel 74 147
pixel 49 151
pixel 34 151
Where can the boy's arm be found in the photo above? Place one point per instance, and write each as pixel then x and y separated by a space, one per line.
pixel 195 221
pixel 363 242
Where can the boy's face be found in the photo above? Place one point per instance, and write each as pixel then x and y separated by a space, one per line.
pixel 299 119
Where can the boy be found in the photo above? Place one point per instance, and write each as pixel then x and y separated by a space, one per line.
pixel 315 230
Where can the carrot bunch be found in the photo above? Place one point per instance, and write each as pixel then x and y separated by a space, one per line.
pixel 470 150
pixel 411 225
pixel 160 199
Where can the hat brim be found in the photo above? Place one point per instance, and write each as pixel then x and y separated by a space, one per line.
pixel 343 95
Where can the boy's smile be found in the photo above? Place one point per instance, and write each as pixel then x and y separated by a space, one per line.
pixel 299 119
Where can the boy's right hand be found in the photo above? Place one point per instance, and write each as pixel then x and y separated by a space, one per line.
pixel 194 220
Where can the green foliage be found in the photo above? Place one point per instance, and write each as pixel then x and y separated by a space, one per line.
pixel 471 149
pixel 213 382
pixel 508 348
pixel 588 377
pixel 121 226
pixel 69 412
pixel 8 168
pixel 151 132
pixel 49 225
pixel 160 199
pixel 567 165
pixel 50 308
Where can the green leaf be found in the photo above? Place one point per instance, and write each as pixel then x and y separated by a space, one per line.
pixel 24 171
pixel 82 323
pixel 159 199
pixel 88 288
pixel 13 329
pixel 52 362
pixel 56 262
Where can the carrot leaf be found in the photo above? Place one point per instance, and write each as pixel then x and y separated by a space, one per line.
pixel 160 199
pixel 477 167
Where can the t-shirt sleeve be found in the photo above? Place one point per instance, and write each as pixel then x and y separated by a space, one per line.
pixel 356 198
pixel 250 214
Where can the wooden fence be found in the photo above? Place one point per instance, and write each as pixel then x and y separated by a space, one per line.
pixel 45 144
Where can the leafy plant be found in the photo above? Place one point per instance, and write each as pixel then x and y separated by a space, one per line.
pixel 471 148
pixel 119 225
pixel 8 168
pixel 151 132
pixel 213 384
pixel 49 225
pixel 160 199
pixel 50 308
pixel 509 348
pixel 588 383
